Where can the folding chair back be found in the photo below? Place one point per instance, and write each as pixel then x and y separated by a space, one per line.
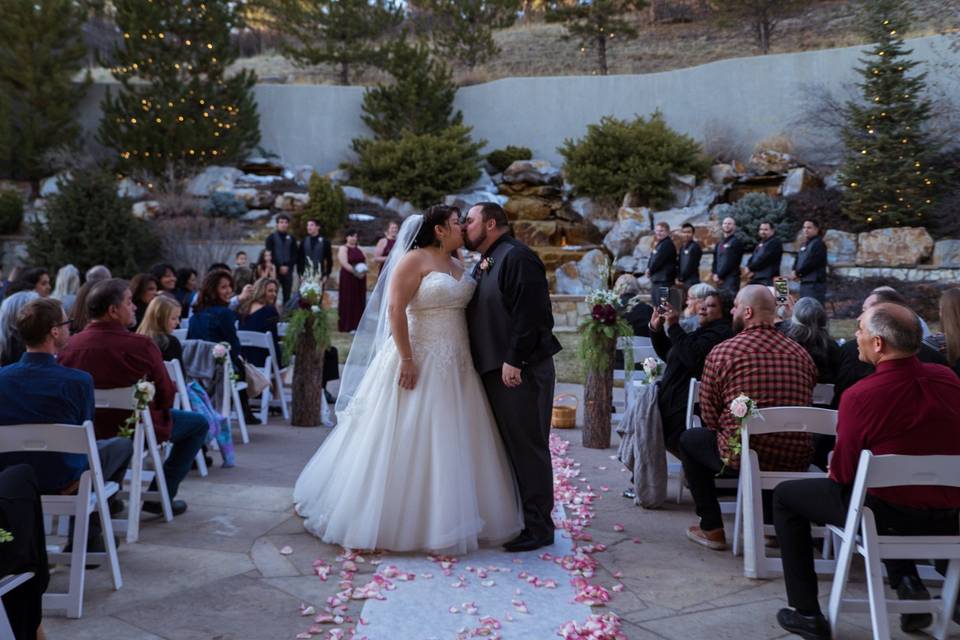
pixel 182 401
pixel 271 368
pixel 642 349
pixel 8 584
pixel 179 334
pixel 91 497
pixel 823 395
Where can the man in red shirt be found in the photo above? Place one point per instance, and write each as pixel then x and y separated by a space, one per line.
pixel 906 407
pixel 774 371
pixel 117 357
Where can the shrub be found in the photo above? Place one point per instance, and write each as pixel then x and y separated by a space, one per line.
pixel 88 223
pixel 11 211
pixel 619 156
pixel 418 168
pixel 327 205
pixel 754 208
pixel 500 159
pixel 224 204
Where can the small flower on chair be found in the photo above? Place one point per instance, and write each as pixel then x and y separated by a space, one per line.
pixel 143 393
pixel 743 408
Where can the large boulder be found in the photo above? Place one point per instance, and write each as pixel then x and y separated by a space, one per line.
pixel 681 188
pixel 483 183
pixel 626 264
pixel 532 172
pixel 580 278
pixel 797 180
pixel 946 253
pixel 356 193
pixel 579 233
pixel 640 214
pixel 291 201
pixel 530 208
pixel 403 208
pixel 536 232
pixel 129 188
pixel 723 173
pixel 705 194
pixel 678 217
pixel 899 247
pixel 51 186
pixel 523 189
pixel 766 161
pixel 603 218
pixel 568 280
pixel 841 248
pixel 214 178
pixel 623 237
pixel 464 201
pixel 145 210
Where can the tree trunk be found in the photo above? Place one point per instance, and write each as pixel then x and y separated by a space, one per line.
pixel 307 380
pixel 598 401
pixel 602 52
pixel 344 73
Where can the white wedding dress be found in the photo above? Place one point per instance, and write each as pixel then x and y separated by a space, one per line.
pixel 421 469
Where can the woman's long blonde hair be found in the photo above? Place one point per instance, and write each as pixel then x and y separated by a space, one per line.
pixel 158 313
pixel 950 323
pixel 259 295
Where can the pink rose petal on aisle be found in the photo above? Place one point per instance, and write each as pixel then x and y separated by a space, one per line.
pixel 520 606
pixel 307 610
pixel 488 583
pixel 604 488
pixel 618 527
pixel 618 574
pixel 304 636
pixel 286 550
pixel 617 588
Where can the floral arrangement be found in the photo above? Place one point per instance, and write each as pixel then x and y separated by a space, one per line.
pixel 5 536
pixel 743 408
pixel 309 306
pixel 652 367
pixel 143 393
pixel 604 324
pixel 221 351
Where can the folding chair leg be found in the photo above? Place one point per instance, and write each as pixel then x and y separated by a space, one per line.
pixel 738 522
pixel 951 586
pixel 201 464
pixel 78 562
pixel 278 380
pixel 241 420
pixel 265 399
pixel 106 526
pixel 6 633
pixel 136 487
pixel 871 557
pixel 840 577
pixel 159 476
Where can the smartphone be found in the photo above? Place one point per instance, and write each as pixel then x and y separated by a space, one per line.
pixel 780 286
pixel 663 295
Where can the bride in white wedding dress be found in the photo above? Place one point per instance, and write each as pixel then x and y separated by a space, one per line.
pixel 415 462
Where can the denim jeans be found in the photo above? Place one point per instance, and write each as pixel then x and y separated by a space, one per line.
pixel 188 435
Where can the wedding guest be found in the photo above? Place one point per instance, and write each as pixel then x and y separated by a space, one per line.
pixel 116 357
pixel 808 328
pixel 906 407
pixel 769 368
pixel 892 295
pixel 97 273
pixel 36 279
pixel 662 263
pixel 240 260
pixel 78 315
pixel 242 277
pixel 810 265
pixel 947 341
pixel 66 285
pixel 385 245
pixel 684 354
pixel 159 322
pixel 688 259
pixel 696 294
pixel 283 247
pixel 186 289
pixel 11 344
pixel 144 288
pixel 265 267
pixel 315 250
pixel 636 311
pixel 353 283
pixel 259 313
pixel 727 255
pixel 764 265
pixel 166 276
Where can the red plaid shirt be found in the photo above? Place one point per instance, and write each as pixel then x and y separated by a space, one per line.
pixel 774 371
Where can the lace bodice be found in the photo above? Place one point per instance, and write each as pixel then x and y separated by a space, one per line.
pixel 437 319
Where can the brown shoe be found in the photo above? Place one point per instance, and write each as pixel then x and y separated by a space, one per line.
pixel 713 539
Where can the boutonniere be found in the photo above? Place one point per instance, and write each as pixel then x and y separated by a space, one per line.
pixel 486 263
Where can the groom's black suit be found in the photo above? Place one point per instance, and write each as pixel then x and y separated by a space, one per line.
pixel 511 321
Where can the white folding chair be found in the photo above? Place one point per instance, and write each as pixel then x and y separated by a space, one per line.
pixel 756 564
pixel 143 434
pixel 271 369
pixel 822 395
pixel 182 401
pixel 642 349
pixel 231 406
pixel 859 535
pixel 91 497
pixel 693 422
pixel 179 334
pixel 8 584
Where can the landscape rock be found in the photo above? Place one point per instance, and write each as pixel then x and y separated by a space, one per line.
pixel 340 176
pixel 623 237
pixel 464 201
pixel 51 186
pixel 677 217
pixel 723 173
pixel 536 233
pixel 356 193
pixel 403 208
pixel 705 194
pixel 291 202
pixel 523 189
pixel 946 253
pixel 145 210
pixel 797 180
pixel 899 247
pixel 261 166
pixel 254 215
pixel 841 248
pixel 579 233
pixel 681 190
pixel 833 181
pixel 129 188
pixel 593 269
pixel 766 161
pixel 640 214
pixel 213 178
pixel 568 280
pixel 626 264
pixel 483 183
pixel 530 208
pixel 532 172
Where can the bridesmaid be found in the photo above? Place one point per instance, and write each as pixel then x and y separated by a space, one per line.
pixel 385 244
pixel 353 283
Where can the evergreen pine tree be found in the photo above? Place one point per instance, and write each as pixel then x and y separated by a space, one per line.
pixel 41 53
pixel 343 33
pixel 595 22
pixel 176 109
pixel 87 223
pixel 463 29
pixel 327 205
pixel 888 167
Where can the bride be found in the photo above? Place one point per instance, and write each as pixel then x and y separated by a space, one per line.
pixel 415 462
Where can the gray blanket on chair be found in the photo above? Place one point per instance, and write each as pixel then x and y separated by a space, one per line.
pixel 642 449
pixel 200 365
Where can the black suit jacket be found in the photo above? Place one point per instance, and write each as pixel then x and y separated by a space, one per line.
pixel 727 256
pixel 811 261
pixel 283 246
pixel 765 261
pixel 319 251
pixel 689 263
pixel 662 263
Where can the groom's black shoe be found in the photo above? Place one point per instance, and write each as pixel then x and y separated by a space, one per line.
pixel 528 542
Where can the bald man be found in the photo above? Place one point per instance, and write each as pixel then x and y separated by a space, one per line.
pixel 727 256
pixel 771 369
pixel 906 407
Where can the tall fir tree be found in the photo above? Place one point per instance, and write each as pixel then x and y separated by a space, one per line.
pixel 463 29
pixel 595 23
pixel 177 110
pixel 41 56
pixel 342 33
pixel 888 169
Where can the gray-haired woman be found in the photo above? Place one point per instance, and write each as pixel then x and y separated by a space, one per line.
pixel 695 295
pixel 11 345
pixel 808 328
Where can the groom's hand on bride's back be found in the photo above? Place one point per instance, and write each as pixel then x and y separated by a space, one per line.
pixel 511 376
pixel 408 374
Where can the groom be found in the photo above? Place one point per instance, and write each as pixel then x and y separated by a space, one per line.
pixel 512 341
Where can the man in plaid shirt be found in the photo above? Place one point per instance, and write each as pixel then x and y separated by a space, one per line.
pixel 771 369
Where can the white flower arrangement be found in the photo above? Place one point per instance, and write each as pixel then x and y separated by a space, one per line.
pixel 143 394
pixel 743 407
pixel 221 351
pixel 652 367
pixel 360 268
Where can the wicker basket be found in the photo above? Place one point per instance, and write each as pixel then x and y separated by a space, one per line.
pixel 564 416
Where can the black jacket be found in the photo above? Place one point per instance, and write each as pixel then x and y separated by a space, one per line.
pixel 765 261
pixel 811 261
pixel 689 263
pixel 319 251
pixel 662 263
pixel 283 246
pixel 727 256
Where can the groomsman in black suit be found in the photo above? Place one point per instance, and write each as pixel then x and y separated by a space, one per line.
pixel 764 264
pixel 810 265
pixel 688 272
pixel 283 246
pixel 316 249
pixel 727 256
pixel 662 263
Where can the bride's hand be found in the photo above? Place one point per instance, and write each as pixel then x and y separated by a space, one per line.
pixel 408 374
